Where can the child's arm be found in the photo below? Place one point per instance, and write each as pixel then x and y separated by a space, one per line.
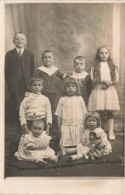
pixel 83 106
pixel 33 147
pixel 48 117
pixel 59 122
pixel 22 116
pixel 89 85
pixel 32 63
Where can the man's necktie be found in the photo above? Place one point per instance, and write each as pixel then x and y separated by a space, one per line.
pixel 19 53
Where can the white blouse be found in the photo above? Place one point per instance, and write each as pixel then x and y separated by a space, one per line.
pixel 80 75
pixel 105 72
pixel 35 106
pixel 71 110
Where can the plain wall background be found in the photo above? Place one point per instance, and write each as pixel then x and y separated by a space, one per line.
pixel 68 29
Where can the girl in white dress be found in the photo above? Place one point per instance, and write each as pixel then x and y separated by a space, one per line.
pixel 34 146
pixel 92 124
pixel 104 96
pixel 70 116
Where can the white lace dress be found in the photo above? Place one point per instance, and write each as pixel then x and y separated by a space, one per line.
pixel 72 111
pixel 104 99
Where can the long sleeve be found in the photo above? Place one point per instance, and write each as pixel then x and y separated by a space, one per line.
pixel 48 112
pixel 59 108
pixel 83 106
pixel 89 85
pixel 22 112
pixel 60 75
pixel 32 64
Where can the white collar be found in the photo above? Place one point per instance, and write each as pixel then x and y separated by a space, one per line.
pixel 49 71
pixel 80 75
pixel 22 50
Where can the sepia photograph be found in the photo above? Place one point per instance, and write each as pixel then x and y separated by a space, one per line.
pixel 63 90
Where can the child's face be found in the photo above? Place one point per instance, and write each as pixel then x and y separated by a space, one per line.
pixel 91 123
pixel 36 87
pixel 20 41
pixel 48 59
pixel 103 54
pixel 70 89
pixel 79 65
pixel 37 129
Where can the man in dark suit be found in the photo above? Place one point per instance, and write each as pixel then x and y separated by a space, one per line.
pixel 19 66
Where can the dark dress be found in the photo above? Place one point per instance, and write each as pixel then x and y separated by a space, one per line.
pixel 52 89
pixel 85 83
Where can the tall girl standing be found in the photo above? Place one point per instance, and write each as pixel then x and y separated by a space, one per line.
pixel 104 96
pixel 70 116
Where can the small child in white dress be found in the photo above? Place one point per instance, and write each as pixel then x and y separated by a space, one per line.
pixel 34 146
pixel 92 124
pixel 70 116
pixel 35 106
pixel 104 96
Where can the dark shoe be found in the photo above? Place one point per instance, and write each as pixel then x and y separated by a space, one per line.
pixel 70 159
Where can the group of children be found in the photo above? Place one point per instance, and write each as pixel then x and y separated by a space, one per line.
pixel 79 131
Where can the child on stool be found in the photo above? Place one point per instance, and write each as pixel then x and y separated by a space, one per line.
pixel 70 115
pixel 35 106
pixel 104 96
pixel 92 124
pixel 34 146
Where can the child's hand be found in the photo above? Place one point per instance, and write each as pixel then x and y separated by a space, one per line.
pixel 25 129
pixel 104 86
pixel 68 74
pixel 83 141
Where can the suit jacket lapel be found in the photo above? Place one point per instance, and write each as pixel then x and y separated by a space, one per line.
pixel 15 52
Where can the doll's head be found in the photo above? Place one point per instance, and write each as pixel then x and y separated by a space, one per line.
pixel 37 127
pixel 102 53
pixel 92 120
pixel 20 40
pixel 47 58
pixel 92 136
pixel 71 87
pixel 36 85
pixel 79 64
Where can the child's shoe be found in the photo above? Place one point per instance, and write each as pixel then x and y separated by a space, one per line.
pixel 55 159
pixel 70 159
pixel 112 136
pixel 41 163
pixel 60 155
pixel 86 157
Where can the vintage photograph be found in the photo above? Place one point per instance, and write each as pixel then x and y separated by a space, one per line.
pixel 64 75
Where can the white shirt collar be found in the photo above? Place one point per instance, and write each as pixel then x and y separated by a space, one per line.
pixel 22 50
pixel 80 75
pixel 49 71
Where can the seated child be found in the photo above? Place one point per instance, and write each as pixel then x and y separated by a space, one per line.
pixel 92 124
pixel 34 146
pixel 96 147
pixel 82 77
pixel 35 106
